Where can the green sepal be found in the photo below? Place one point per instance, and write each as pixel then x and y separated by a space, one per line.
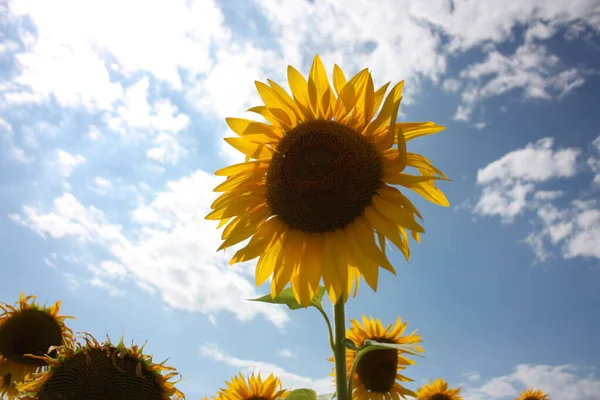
pixel 349 344
pixel 370 345
pixel 287 297
pixel 302 394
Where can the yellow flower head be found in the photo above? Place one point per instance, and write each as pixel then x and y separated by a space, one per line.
pixel 377 373
pixel 533 394
pixel 254 388
pixel 101 371
pixel 316 194
pixel 27 328
pixel 438 390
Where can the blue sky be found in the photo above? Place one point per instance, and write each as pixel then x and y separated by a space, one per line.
pixel 111 124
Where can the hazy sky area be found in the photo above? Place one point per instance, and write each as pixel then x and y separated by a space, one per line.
pixel 111 125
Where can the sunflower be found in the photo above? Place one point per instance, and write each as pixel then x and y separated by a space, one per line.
pixel 377 373
pixel 317 187
pixel 533 394
pixel 240 389
pixel 101 371
pixel 438 390
pixel 28 328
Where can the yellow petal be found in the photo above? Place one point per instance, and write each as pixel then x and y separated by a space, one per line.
pixel 275 116
pixel 423 164
pixel 395 213
pixel 252 150
pixel 365 239
pixel 235 208
pixel 287 261
pixel 248 168
pixel 273 100
pixel 299 88
pixel 339 79
pixel 406 180
pixel 244 127
pixel 414 130
pixel 430 193
pixel 265 233
pixel 395 196
pixel 385 226
pixel 368 268
pixel 266 262
pixel 379 94
pixel 285 98
pixel 319 89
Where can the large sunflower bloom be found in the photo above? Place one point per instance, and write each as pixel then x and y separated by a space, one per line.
pixel 27 328
pixel 317 186
pixel 377 373
pixel 533 394
pixel 254 388
pixel 101 371
pixel 438 390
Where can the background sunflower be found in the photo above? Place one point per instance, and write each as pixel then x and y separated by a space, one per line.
pixel 377 373
pixel 100 371
pixel 438 390
pixel 533 394
pixel 28 328
pixel 238 388
pixel 316 195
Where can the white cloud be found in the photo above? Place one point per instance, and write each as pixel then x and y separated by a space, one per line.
pixel 479 125
pixel 6 128
pixel 594 161
pixel 172 249
pixel 507 185
pixel 74 74
pixel 473 376
pixel 94 133
pixel 536 162
pixel 562 382
pixel 137 113
pixel 228 88
pixel 451 85
pixel 67 162
pixel 547 194
pixel 187 29
pixel 167 149
pixel 102 185
pixel 287 353
pixel 531 69
pixel 508 182
pixel 289 380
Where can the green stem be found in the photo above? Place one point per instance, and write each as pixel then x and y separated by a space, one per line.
pixel 352 371
pixel 324 314
pixel 339 318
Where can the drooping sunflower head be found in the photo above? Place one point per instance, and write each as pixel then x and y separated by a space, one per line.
pixel 533 394
pixel 28 328
pixel 378 372
pixel 438 390
pixel 316 195
pixel 97 371
pixel 254 388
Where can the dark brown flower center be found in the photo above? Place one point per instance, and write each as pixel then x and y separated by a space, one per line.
pixel 6 379
pixel 257 398
pixel 377 369
pixel 98 379
pixel 440 396
pixel 531 398
pixel 29 332
pixel 322 176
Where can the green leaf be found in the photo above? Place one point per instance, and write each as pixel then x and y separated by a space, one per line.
pixel 287 297
pixel 302 394
pixel 349 344
pixel 370 345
